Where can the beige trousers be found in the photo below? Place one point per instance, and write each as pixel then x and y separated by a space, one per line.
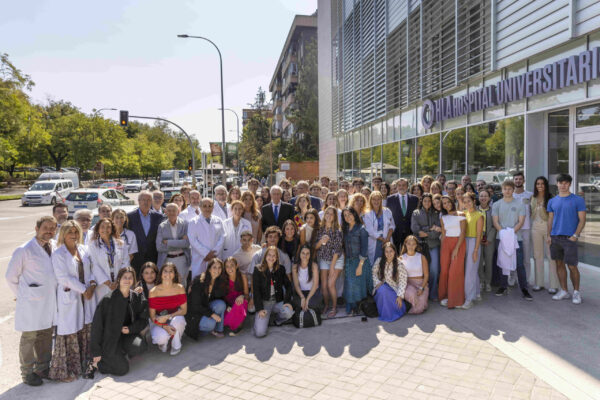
pixel 539 233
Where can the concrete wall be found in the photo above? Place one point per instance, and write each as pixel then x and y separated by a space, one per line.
pixel 327 143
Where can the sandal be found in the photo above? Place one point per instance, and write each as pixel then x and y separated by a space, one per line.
pixel 332 313
pixel 325 311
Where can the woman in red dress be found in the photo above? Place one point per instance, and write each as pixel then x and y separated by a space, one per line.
pixel 167 304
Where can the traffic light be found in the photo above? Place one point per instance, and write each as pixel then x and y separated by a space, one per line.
pixel 190 166
pixel 124 118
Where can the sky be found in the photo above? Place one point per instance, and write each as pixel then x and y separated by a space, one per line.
pixel 125 54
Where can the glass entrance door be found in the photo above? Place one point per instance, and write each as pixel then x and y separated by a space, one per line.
pixel 588 186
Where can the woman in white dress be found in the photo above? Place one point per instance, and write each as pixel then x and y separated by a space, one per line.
pixel 233 228
pixel 108 254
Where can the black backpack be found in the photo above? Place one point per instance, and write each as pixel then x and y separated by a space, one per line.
pixel 369 307
pixel 306 319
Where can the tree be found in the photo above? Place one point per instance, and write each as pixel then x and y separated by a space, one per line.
pixel 304 145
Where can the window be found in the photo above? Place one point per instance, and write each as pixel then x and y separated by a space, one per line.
pixel 558 146
pixel 453 153
pixel 340 165
pixel 496 149
pixel 390 162
pixel 365 164
pixel 428 155
pixel 587 116
pixel 407 159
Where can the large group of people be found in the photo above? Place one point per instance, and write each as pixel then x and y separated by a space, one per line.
pixel 200 266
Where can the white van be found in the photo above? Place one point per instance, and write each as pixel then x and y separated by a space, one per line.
pixel 47 192
pixel 72 176
pixel 493 176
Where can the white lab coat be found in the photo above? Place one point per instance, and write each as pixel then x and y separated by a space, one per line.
pixel 36 305
pixel 507 250
pixel 73 311
pixel 218 212
pixel 100 265
pixel 232 241
pixel 204 238
pixel 189 213
pixel 370 221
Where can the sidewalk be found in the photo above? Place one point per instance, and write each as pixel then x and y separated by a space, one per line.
pixel 502 348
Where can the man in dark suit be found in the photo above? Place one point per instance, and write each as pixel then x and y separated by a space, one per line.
pixel 301 188
pixel 402 206
pixel 277 211
pixel 144 223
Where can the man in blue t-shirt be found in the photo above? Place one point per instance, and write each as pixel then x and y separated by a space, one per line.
pixel 566 219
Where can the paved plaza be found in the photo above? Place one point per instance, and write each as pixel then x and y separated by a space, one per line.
pixel 504 348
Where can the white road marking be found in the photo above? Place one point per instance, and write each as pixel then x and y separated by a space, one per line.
pixel 7 218
pixel 5 258
pixel 8 317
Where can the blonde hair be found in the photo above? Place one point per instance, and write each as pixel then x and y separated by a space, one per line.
pixel 65 228
pixel 365 206
pixel 336 224
pixel 375 193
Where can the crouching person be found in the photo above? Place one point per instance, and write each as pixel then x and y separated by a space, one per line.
pixel 119 319
pixel 269 281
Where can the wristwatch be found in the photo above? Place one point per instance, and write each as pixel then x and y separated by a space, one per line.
pixel 576 236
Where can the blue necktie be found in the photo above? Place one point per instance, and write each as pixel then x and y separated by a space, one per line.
pixel 276 213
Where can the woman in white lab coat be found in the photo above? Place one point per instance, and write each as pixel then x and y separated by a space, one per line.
pixel 379 224
pixel 75 287
pixel 233 228
pixel 108 254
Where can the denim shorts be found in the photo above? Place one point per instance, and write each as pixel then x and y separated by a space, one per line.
pixel 561 248
pixel 339 264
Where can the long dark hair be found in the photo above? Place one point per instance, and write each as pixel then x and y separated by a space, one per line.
pixel 345 225
pixel 383 259
pixel 547 194
pixel 310 259
pixel 142 282
pixel 207 277
pixel 315 214
pixel 444 211
pixel 176 279
pixel 296 241
pixel 238 284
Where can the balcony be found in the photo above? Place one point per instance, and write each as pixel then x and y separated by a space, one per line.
pixel 290 58
pixel 290 79
pixel 289 100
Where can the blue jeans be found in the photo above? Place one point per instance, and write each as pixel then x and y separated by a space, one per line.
pixel 521 274
pixel 208 324
pixel 434 273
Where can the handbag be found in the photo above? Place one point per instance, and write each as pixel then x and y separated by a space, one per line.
pixel 368 307
pixel 306 319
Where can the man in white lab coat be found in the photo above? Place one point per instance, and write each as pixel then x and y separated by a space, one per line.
pixel 206 236
pixel 31 278
pixel 221 209
pixel 193 209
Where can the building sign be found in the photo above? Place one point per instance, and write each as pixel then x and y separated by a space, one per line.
pixel 560 74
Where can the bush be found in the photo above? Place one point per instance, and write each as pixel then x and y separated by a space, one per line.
pixel 4 176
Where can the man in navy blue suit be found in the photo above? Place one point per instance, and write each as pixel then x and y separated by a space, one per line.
pixel 144 223
pixel 402 206
pixel 302 187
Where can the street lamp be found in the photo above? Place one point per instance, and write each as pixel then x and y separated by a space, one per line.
pixel 96 112
pixel 184 36
pixel 237 149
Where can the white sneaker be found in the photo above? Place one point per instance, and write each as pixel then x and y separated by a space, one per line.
pixel 175 351
pixel 488 287
pixel 478 298
pixel 444 303
pixel 553 290
pixel 163 347
pixel 576 297
pixel 561 295
pixel 466 306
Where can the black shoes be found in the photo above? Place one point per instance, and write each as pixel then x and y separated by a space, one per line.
pixel 501 291
pixel 33 379
pixel 526 295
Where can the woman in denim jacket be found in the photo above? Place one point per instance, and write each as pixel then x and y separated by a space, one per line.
pixel 357 269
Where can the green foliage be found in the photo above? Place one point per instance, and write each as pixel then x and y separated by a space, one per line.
pixel 58 134
pixel 305 144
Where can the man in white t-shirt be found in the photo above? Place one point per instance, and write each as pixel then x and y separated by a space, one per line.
pixel 525 196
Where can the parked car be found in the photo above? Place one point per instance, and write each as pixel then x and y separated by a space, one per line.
pixel 493 176
pixel 72 176
pixel 134 185
pixel 93 198
pixel 47 192
pixel 112 185
pixel 126 208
